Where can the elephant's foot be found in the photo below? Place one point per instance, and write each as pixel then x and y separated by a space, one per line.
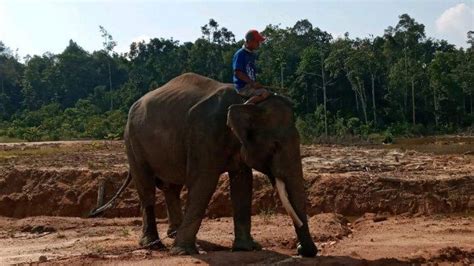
pixel 309 251
pixel 151 242
pixel 246 245
pixel 184 250
pixel 171 233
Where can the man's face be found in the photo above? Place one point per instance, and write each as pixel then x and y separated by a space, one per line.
pixel 253 44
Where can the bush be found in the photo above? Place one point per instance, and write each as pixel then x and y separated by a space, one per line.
pixel 311 126
pixel 387 137
pixel 31 134
pixel 405 129
pixel 50 122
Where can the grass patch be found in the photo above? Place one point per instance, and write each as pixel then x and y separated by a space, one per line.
pixel 96 248
pixel 125 232
pixel 5 139
pixel 35 151
pixel 267 213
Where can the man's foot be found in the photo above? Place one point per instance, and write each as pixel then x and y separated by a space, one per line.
pixel 258 98
pixel 250 101
pixel 255 100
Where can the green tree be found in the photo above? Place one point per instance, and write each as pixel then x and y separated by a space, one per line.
pixel 373 53
pixel 211 55
pixel 400 83
pixel 10 83
pixel 446 90
pixel 41 81
pixel 312 76
pixel 347 58
pixel 404 51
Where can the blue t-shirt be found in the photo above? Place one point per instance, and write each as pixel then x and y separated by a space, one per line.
pixel 244 61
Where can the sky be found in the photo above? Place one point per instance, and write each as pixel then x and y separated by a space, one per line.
pixel 36 27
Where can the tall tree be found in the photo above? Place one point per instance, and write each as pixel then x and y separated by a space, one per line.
pixel 108 45
pixel 403 47
pixel 347 58
pixel 447 93
pixel 372 51
pixel 41 82
pixel 312 76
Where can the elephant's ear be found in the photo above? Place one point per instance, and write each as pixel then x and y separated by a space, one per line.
pixel 241 118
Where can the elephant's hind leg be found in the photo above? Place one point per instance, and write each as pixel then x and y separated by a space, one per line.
pixel 145 184
pixel 200 194
pixel 173 203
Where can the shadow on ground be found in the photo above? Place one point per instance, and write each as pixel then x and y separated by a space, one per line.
pixel 219 255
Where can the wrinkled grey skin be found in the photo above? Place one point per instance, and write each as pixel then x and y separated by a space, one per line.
pixel 193 129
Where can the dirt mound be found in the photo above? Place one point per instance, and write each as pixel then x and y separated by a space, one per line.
pixel 355 195
pixel 38 229
pixel 63 179
pixel 73 192
pixel 454 254
pixel 329 227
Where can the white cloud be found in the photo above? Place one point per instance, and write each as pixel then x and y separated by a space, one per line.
pixel 458 19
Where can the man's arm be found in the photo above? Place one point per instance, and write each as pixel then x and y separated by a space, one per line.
pixel 242 76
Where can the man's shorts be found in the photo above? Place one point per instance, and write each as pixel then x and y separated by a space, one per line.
pixel 249 91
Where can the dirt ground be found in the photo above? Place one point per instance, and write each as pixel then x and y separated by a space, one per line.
pixel 393 205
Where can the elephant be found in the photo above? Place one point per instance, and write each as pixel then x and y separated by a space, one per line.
pixel 190 131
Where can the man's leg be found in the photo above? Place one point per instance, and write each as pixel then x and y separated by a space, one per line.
pixel 258 96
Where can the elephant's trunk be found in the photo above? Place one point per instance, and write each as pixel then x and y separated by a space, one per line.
pixel 295 206
pixel 280 186
pixel 287 172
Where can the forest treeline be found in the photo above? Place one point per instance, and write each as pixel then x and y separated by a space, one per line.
pixel 401 83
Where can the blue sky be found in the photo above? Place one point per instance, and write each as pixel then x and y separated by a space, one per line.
pixel 35 27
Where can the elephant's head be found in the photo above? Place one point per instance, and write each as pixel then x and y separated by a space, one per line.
pixel 270 144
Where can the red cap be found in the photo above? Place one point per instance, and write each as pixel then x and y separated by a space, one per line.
pixel 254 35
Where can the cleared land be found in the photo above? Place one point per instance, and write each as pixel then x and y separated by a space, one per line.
pixel 394 206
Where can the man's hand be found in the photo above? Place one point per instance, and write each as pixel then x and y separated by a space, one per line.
pixel 253 84
pixel 241 75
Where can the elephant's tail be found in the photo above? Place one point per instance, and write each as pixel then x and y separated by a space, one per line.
pixel 99 210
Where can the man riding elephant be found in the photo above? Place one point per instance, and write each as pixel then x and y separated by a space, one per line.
pixel 245 72
pixel 190 131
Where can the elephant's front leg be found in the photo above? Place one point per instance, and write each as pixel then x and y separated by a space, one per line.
pixel 241 195
pixel 200 193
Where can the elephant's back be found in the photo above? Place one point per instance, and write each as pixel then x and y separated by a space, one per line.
pixel 185 90
pixel 169 105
